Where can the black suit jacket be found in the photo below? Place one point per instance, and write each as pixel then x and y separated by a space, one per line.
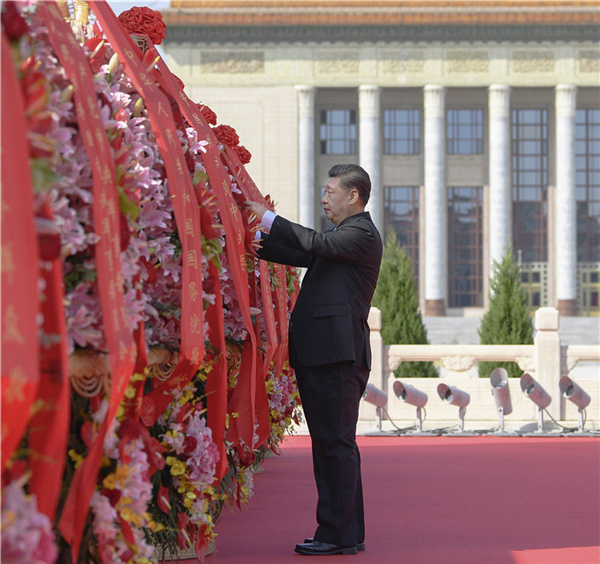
pixel 329 321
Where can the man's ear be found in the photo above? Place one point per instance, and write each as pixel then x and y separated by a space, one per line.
pixel 354 196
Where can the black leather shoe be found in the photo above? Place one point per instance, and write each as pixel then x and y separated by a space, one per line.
pixel 359 546
pixel 316 548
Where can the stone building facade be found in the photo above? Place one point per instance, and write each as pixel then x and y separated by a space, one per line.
pixel 478 121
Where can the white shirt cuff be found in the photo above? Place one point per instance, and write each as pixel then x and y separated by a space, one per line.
pixel 265 223
pixel 267 220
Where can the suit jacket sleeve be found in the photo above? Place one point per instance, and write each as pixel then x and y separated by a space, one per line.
pixel 348 243
pixel 275 252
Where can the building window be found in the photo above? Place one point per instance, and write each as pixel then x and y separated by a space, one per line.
pixel 401 213
pixel 587 143
pixel 530 183
pixel 465 132
pixel 465 240
pixel 338 132
pixel 402 132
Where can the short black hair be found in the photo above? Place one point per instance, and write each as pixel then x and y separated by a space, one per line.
pixel 353 176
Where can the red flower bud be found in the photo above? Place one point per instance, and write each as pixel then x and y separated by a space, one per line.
pixel 243 154
pixel 209 115
pixel 227 135
pixel 144 21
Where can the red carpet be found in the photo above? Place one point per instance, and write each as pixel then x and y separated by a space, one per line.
pixel 439 500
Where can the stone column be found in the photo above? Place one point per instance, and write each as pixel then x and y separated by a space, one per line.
pixel 369 148
pixel 306 156
pixel 566 200
pixel 436 202
pixel 378 373
pixel 500 185
pixel 547 355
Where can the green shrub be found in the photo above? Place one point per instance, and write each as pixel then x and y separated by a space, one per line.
pixel 507 320
pixel 396 297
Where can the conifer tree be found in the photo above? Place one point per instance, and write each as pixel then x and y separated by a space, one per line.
pixel 396 297
pixel 507 320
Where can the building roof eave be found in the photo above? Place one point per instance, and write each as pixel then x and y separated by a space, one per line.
pixel 292 13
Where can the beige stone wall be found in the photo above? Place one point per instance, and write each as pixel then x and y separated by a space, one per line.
pixel 251 87
pixel 458 64
pixel 265 119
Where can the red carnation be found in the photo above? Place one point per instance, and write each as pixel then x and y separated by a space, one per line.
pixel 113 496
pixel 209 115
pixel 189 444
pixel 227 135
pixel 144 21
pixel 243 154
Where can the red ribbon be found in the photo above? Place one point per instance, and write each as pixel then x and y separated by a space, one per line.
pixel 243 399
pixel 277 341
pixel 20 307
pixel 122 352
pixel 133 405
pixel 270 327
pixel 49 428
pixel 185 206
pixel 282 317
pixel 216 380
pixel 261 400
pixel 251 192
pixel 185 203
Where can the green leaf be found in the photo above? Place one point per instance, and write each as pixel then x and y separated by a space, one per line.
pixel 129 208
pixel 42 175
pixel 199 175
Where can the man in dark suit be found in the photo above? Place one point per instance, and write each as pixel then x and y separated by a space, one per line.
pixel 329 344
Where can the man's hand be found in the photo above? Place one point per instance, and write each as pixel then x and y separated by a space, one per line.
pixel 255 209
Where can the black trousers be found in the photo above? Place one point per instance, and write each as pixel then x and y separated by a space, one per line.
pixel 330 397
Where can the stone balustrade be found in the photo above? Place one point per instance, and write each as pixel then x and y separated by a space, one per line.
pixel 547 360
